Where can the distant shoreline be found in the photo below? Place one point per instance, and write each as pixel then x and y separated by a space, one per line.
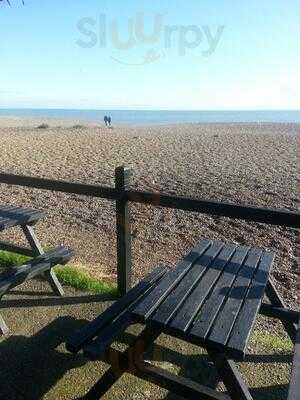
pixel 155 118
pixel 8 121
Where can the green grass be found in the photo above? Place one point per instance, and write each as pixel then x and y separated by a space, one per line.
pixel 273 342
pixel 68 275
pixel 78 279
pixel 11 259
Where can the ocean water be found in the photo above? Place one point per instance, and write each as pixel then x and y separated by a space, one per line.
pixel 141 117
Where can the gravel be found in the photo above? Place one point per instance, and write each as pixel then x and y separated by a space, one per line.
pixel 255 164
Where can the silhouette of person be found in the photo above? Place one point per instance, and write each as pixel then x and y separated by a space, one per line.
pixel 107 120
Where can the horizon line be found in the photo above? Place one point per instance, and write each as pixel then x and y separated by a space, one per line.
pixel 153 109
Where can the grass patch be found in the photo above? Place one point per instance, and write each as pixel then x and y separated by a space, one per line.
pixel 68 275
pixel 78 279
pixel 273 342
pixel 8 259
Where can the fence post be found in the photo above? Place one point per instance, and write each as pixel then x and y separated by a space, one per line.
pixel 122 176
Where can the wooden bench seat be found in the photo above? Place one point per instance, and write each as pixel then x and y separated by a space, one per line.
pixel 113 320
pixel 15 276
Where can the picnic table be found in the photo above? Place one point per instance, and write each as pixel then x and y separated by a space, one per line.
pixel 211 299
pixel 41 262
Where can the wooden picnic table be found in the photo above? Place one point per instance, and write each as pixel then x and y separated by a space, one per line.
pixel 41 262
pixel 25 218
pixel 211 299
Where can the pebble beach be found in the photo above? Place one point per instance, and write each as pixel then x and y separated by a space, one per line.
pixel 253 164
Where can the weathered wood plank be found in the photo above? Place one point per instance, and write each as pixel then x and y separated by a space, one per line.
pixel 204 321
pixel 284 314
pixel 12 216
pixel 170 280
pixel 263 215
pixel 168 308
pixel 120 362
pixel 16 249
pixel 248 213
pixel 244 323
pixel 32 239
pixel 230 375
pixel 60 186
pixel 194 301
pixel 276 301
pixel 187 388
pixel 17 275
pixel 90 330
pixel 124 263
pixel 14 211
pixel 3 223
pixel 3 327
pixel 222 327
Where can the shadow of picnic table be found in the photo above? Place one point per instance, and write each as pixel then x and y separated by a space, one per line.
pixel 31 366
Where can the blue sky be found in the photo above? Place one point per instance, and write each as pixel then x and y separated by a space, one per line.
pixel 202 55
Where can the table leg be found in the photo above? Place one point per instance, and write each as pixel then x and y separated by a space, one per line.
pixel 231 377
pixel 38 250
pixel 276 301
pixel 3 327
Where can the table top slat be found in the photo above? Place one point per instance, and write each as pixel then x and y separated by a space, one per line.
pixel 146 307
pixel 193 303
pixel 209 312
pixel 246 318
pixel 226 318
pixel 172 303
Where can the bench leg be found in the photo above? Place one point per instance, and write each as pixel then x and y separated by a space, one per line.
pixel 231 377
pixel 3 327
pixel 132 361
pixel 38 250
pixel 120 363
pixel 276 301
pixel 54 283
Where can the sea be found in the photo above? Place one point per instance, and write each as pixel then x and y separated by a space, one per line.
pixel 157 117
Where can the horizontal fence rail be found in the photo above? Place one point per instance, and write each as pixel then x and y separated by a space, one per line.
pixel 60 186
pixel 249 213
pixel 222 209
pixel 122 194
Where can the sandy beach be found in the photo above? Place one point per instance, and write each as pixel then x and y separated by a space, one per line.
pixel 253 164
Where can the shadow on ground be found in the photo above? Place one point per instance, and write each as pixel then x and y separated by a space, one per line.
pixel 35 364
pixel 32 366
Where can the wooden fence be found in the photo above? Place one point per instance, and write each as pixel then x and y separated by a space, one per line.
pixel 122 195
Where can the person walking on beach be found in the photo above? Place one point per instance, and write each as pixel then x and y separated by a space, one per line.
pixel 107 121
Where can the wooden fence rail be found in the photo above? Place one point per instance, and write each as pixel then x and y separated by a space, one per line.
pixel 123 195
